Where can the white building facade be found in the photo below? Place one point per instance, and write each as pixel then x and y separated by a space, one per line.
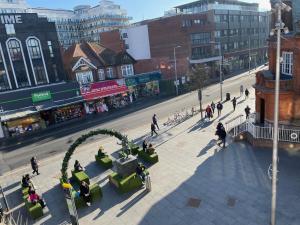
pixel 83 23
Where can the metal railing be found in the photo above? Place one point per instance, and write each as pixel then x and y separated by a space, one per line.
pixel 240 125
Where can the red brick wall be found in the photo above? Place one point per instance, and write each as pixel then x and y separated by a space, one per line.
pixel 112 40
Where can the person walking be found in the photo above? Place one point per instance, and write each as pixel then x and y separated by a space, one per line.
pixel 154 121
pixel 219 108
pixel 247 111
pixel 153 129
pixel 241 90
pixel 213 106
pixel 208 112
pixel 145 145
pixel 234 103
pixel 34 166
pixel 221 133
pixel 247 93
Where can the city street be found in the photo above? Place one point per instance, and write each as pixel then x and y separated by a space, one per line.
pixel 58 141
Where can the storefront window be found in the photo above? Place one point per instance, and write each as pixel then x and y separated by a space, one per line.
pixel 68 113
pixel 127 70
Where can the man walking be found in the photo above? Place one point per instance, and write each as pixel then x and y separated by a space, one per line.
pixel 234 103
pixel 241 90
pixel 219 108
pixel 153 129
pixel 221 133
pixel 247 111
pixel 154 121
pixel 247 93
pixel 34 166
pixel 213 106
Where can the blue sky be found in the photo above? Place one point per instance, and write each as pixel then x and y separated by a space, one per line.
pixel 138 9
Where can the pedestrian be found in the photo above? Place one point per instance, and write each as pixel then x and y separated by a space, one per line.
pixel 85 193
pixel 247 93
pixel 34 166
pixel 221 133
pixel 213 106
pixel 153 129
pixel 145 146
pixel 219 108
pixel 234 103
pixel 140 171
pixel 247 111
pixel 241 90
pixel 208 112
pixel 154 121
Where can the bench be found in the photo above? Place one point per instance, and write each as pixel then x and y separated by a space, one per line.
pixel 153 158
pixel 127 184
pixel 80 176
pixel 96 193
pixel 105 161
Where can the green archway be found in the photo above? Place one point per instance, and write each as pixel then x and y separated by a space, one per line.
pixel 82 139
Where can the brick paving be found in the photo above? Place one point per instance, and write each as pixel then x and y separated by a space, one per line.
pixel 195 182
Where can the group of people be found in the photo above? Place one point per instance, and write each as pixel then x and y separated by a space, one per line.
pixel 210 110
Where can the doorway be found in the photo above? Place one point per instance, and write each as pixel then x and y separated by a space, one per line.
pixel 262 110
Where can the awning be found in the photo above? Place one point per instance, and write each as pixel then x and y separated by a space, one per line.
pixel 69 101
pixel 15 114
pixel 45 106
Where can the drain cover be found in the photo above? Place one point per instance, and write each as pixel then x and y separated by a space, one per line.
pixel 194 202
pixel 231 201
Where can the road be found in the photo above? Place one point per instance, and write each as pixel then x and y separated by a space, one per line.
pixel 48 147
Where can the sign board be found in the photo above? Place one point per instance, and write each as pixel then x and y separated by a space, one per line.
pixel 41 96
pixel 10 19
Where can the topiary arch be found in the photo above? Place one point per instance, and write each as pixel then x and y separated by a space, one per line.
pixel 82 139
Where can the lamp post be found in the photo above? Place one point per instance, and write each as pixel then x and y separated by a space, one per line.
pixel 249 54
pixel 220 68
pixel 175 68
pixel 279 26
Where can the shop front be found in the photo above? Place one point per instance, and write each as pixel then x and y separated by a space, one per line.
pixel 143 85
pixel 106 95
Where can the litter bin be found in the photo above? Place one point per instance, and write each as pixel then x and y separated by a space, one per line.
pixel 227 96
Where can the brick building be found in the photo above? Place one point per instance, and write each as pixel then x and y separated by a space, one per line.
pixel 289 105
pixel 198 27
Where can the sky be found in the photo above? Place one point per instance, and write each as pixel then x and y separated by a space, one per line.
pixel 138 9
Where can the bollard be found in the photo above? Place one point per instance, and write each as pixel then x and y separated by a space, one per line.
pixel 148 183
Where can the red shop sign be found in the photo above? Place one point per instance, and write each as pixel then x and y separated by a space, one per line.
pixel 103 89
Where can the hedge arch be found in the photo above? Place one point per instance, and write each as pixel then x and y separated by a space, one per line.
pixel 82 139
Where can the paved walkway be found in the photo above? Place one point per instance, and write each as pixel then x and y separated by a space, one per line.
pixel 194 182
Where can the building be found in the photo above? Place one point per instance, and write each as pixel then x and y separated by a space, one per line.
pixel 107 78
pixel 83 23
pixel 199 28
pixel 289 106
pixel 33 88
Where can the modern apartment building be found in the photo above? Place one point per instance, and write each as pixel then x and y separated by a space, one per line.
pixel 199 28
pixel 83 23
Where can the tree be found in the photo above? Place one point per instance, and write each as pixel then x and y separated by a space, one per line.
pixel 198 80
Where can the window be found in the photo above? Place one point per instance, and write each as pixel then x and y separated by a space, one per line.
pixel 201 52
pixel 34 48
pixel 4 82
pixel 110 72
pixel 126 46
pixel 18 65
pixel 10 29
pixel 200 38
pixel 217 33
pixel 125 35
pixel 84 77
pixel 101 74
pixel 50 49
pixel 127 70
pixel 186 23
pixel 40 75
pixel 287 63
pixel 54 67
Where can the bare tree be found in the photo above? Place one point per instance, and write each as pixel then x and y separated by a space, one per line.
pixel 198 80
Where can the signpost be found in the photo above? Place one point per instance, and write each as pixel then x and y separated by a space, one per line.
pixel 200 101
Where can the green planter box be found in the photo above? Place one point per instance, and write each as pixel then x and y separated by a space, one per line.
pixel 148 158
pixel 105 162
pixel 126 184
pixel 96 193
pixel 34 210
pixel 80 176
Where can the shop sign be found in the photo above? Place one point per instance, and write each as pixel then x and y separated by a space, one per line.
pixel 10 19
pixel 143 79
pixel 41 96
pixel 103 89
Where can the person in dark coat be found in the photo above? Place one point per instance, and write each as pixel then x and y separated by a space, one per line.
pixel 153 129
pixel 219 108
pixel 221 133
pixel 145 146
pixel 247 111
pixel 208 112
pixel 85 193
pixel 154 121
pixel 247 93
pixel 34 166
pixel 77 166
pixel 213 106
pixel 140 171
pixel 234 103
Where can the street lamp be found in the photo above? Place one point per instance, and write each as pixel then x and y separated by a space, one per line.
pixel 221 62
pixel 279 26
pixel 175 68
